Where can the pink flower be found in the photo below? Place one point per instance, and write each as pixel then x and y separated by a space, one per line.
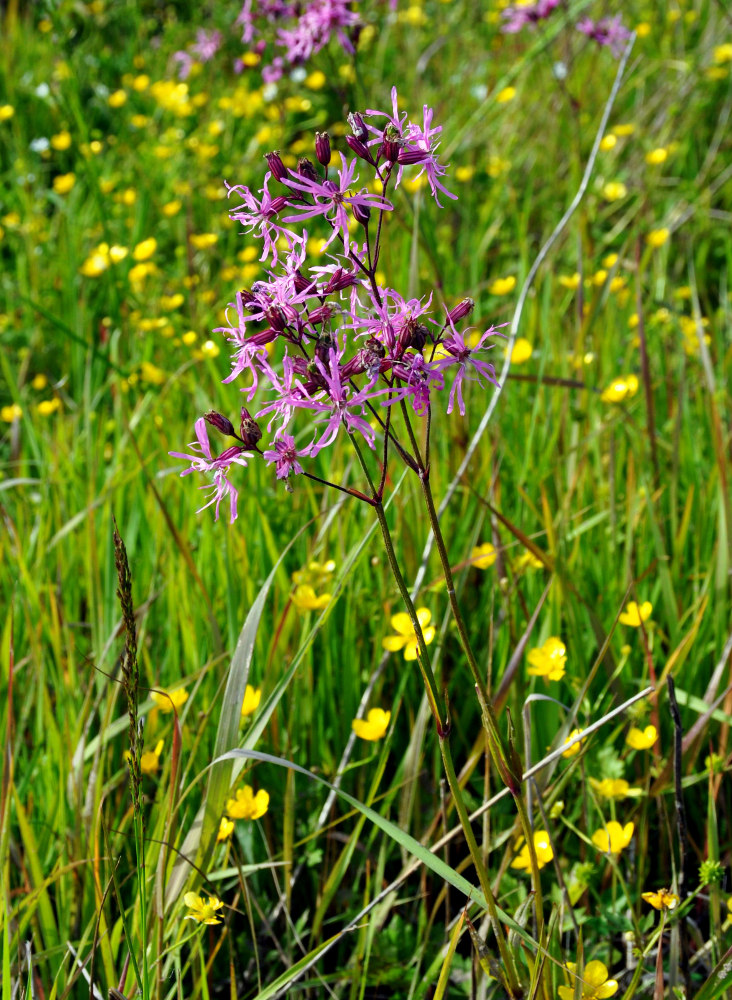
pixel 285 455
pixel 608 31
pixel 204 461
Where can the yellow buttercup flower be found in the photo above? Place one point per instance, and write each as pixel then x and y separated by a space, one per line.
pixel 614 191
pixel 150 760
pixel 169 701
pixel 723 53
pixel 171 208
pixel 145 249
pixel 548 660
pixel 573 750
pixel 613 838
pixel 657 156
pixel 662 899
pixel 61 141
pixel 252 698
pixel 522 351
pixel 657 237
pixel 620 388
pixel 570 281
pixel 374 726
pixel 117 98
pixel 226 828
pixel 10 413
pixel 612 788
pixel 635 614
pixel 6 112
pixel 48 406
pixel 641 739
pixel 483 556
pixel 406 638
pixel 202 241
pixel 305 599
pixel 247 805
pixel 543 847
pixel 593 981
pixel 505 95
pixel 608 142
pixel 502 286
pixel 205 912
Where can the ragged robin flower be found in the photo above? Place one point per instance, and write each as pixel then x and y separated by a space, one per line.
pixel 593 981
pixel 542 846
pixel 204 912
pixel 406 638
pixel 662 899
pixel 374 726
pixel 548 660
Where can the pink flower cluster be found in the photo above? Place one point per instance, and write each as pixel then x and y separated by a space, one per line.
pixel 302 29
pixel 327 341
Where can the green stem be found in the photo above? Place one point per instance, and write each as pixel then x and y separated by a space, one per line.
pixel 509 966
pixel 443 732
pixel 504 759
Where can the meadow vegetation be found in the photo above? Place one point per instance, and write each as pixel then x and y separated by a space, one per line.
pixel 588 536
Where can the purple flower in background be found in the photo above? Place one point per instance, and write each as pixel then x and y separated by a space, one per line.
pixel 609 31
pixel 185 63
pixel 286 455
pixel 330 200
pixel 314 28
pixel 204 461
pixel 207 44
pixel 518 17
pixel 419 378
pixel 459 355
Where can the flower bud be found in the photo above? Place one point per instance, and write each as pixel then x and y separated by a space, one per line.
pixel 276 318
pixel 359 148
pixel 321 315
pixel 306 169
pixel 274 161
pixel 301 282
pixel 322 148
pixel 220 422
pixel 358 126
pixel 249 429
pixel 407 157
pixel 390 150
pixel 341 279
pixel 278 203
pixel 362 214
pixel 461 310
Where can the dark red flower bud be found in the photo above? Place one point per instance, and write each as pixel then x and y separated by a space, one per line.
pixel 220 422
pixel 461 310
pixel 276 318
pixel 232 452
pixel 360 148
pixel 274 161
pixel 321 315
pixel 362 214
pixel 247 298
pixel 322 148
pixel 301 282
pixel 358 126
pixel 306 169
pixel 390 150
pixel 341 279
pixel 278 203
pixel 249 429
pixel 409 156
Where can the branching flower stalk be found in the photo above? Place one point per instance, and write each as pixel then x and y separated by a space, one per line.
pixel 328 340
